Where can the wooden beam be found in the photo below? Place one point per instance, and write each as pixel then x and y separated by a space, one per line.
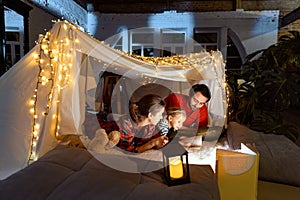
pixel 18 6
pixel 159 6
pixel 289 18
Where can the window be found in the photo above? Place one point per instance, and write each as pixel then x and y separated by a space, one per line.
pixel 161 42
pixel 119 44
pixel 13 48
pixel 233 57
pixel 142 43
pixel 14 38
pixel 206 38
pixel 157 42
pixel 173 42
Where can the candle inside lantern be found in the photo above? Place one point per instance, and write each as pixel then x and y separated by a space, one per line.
pixel 176 168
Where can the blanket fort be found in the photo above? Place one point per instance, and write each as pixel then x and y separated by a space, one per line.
pixel 47 93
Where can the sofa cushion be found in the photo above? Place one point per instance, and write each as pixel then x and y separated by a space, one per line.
pixel 279 157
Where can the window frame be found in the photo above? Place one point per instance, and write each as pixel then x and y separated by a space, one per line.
pixel 216 30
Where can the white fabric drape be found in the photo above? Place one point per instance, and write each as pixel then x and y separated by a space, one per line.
pixel 88 58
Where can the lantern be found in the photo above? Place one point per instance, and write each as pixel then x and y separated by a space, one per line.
pixel 175 162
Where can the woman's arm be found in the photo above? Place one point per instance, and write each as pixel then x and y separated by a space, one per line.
pixel 155 143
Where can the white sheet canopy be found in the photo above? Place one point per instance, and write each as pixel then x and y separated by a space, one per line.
pixel 48 91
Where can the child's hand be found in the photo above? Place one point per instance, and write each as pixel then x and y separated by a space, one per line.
pixel 160 141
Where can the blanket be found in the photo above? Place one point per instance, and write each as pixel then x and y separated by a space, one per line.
pixel 73 173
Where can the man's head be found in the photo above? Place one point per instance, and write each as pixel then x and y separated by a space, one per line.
pixel 199 95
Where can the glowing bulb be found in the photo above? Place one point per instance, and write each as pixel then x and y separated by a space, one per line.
pixel 36 56
pixel 31 102
pixel 67 41
pixel 32 154
pixel 44 46
pixel 35 133
pixel 37 126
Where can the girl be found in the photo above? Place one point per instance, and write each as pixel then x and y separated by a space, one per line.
pixel 173 122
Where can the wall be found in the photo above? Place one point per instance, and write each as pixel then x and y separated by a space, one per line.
pixel 43 12
pixel 38 26
pixel 66 9
pixel 103 26
pixel 285 7
pixel 255 29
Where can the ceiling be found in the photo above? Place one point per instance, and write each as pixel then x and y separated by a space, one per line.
pixel 159 6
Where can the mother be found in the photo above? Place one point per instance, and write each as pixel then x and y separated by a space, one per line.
pixel 138 130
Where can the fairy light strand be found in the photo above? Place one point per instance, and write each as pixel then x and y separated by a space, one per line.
pixel 55 59
pixel 54 62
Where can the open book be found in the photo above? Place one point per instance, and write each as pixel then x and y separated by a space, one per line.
pixel 195 141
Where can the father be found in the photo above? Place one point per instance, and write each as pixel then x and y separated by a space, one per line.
pixel 194 105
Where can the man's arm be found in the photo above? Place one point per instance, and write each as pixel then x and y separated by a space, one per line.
pixel 203 118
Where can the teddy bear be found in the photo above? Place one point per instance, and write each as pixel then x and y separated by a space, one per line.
pixel 102 141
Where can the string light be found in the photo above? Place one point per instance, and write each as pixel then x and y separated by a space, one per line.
pixel 55 59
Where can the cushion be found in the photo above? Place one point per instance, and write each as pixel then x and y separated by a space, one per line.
pixel 279 157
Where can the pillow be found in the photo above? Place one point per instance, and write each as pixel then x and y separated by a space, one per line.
pixel 279 157
pixel 237 134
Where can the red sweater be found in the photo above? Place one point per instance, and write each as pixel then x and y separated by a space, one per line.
pixel 199 116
